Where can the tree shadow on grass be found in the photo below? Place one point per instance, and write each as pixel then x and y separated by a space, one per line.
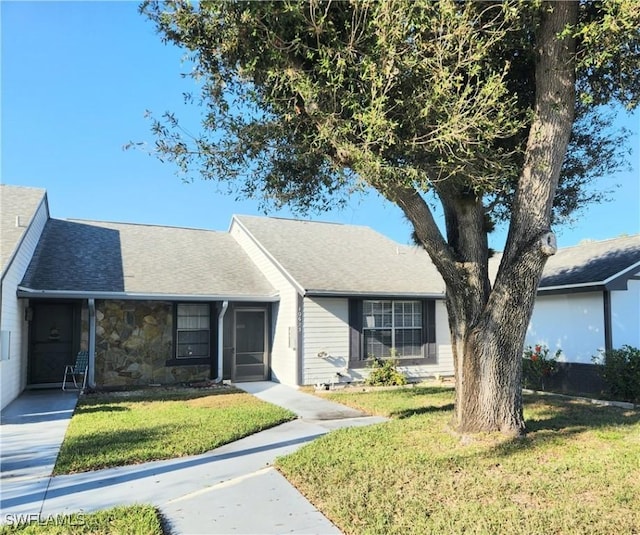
pixel 90 409
pixel 407 413
pixel 427 390
pixel 114 448
pixel 149 395
pixel 554 419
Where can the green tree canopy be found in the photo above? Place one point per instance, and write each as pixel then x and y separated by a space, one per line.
pixel 307 101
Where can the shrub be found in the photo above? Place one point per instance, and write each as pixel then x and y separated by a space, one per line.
pixel 384 373
pixel 620 368
pixel 537 366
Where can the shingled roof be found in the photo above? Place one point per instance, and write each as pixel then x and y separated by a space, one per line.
pixel 118 259
pixel 84 258
pixel 18 205
pixel 605 263
pixel 332 258
pixel 348 259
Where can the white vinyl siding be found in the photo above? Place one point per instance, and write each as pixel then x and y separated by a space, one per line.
pixel 326 344
pixel 13 371
pixel 284 313
pixel 326 339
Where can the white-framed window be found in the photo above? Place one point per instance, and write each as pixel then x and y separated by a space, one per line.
pixel 392 325
pixel 193 336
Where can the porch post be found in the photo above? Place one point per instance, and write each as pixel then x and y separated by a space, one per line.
pixel 92 343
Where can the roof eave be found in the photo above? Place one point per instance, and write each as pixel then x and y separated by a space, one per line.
pixel 618 281
pixel 571 289
pixel 372 295
pixel 134 296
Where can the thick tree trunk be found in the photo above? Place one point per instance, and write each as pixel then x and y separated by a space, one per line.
pixel 488 324
pixel 488 371
pixel 488 347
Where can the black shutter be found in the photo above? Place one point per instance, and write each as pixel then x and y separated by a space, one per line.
pixel 429 330
pixel 355 330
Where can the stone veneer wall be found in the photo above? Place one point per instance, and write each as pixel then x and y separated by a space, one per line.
pixel 134 341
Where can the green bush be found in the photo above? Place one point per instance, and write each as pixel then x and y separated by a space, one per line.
pixel 620 368
pixel 384 373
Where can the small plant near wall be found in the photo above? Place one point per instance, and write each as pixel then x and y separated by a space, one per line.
pixel 620 368
pixel 538 366
pixel 384 372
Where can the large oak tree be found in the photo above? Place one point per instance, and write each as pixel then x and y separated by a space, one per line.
pixel 494 110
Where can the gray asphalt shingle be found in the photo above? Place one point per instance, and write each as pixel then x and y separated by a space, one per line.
pixel 18 205
pixel 353 259
pixel 591 262
pixel 88 256
pixel 324 258
pixel 344 259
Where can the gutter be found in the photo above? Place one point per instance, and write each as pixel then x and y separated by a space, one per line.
pixel 373 295
pixel 225 305
pixel 75 294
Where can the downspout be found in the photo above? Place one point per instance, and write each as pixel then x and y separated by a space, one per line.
pixel 225 305
pixel 91 379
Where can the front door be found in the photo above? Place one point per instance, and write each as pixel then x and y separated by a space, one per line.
pixel 52 342
pixel 250 361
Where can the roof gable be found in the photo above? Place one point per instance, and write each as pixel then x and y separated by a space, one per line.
pixel 18 206
pixel 331 258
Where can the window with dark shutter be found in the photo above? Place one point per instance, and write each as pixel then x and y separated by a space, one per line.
pixel 402 329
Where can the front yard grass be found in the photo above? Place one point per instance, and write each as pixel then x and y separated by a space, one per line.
pixel 131 520
pixel 115 429
pixel 577 471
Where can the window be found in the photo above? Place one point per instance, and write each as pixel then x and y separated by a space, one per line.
pixel 378 326
pixel 192 331
pixel 392 325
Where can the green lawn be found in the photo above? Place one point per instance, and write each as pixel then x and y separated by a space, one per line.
pixel 133 520
pixel 115 429
pixel 576 472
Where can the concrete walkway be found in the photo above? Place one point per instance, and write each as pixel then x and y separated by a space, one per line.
pixel 232 489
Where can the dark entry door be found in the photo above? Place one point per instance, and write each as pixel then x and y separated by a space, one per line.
pixel 52 342
pixel 251 354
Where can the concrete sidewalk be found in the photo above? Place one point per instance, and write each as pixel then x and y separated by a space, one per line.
pixel 232 489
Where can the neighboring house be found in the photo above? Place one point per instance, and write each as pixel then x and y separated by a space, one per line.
pixel 296 302
pixel 23 215
pixel 588 302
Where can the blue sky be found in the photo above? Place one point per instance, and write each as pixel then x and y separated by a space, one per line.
pixel 77 78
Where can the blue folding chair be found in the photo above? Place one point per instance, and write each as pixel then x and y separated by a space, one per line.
pixel 77 370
